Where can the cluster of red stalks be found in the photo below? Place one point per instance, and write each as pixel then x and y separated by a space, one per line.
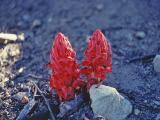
pixel 66 72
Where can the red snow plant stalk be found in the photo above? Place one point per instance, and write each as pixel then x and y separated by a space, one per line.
pixel 65 70
pixel 98 59
pixel 65 77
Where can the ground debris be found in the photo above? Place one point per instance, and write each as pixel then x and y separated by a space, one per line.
pixel 27 108
pixel 5 37
pixel 156 63
pixel 46 101
pixel 143 59
pixel 21 97
pixel 69 107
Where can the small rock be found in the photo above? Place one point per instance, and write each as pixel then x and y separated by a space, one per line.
pixel 156 102
pixel 7 94
pixel 5 112
pixel 158 117
pixel 106 101
pixel 140 35
pixel 24 87
pixel 99 6
pixel 4 54
pixel 25 100
pixel 19 96
pixel 12 50
pixel 15 52
pixel 21 36
pixel 36 23
pixel 1 87
pixel 11 83
pixel 26 17
pixel 14 90
pixel 136 111
pixel 21 70
pixel 9 100
pixel 145 101
pixel 50 19
pixel 156 63
pixel 18 84
pixel 87 38
pixel 5 104
pixel 21 86
pixel 6 79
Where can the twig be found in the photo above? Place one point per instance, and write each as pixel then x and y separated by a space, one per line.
pixel 48 106
pixel 74 105
pixel 12 37
pixel 36 77
pixel 145 58
pixel 35 92
pixel 27 108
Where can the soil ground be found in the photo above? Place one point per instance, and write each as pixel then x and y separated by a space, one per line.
pixel 120 20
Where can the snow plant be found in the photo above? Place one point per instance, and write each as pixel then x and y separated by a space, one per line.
pixel 66 71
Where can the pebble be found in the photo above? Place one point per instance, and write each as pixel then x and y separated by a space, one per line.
pixel 15 52
pixel 11 83
pixel 20 96
pixel 115 63
pixel 87 38
pixel 21 36
pixel 145 101
pixel 156 63
pixel 21 86
pixel 25 100
pixel 12 50
pixel 6 79
pixel 5 104
pixel 7 94
pixel 158 117
pixel 1 87
pixel 99 6
pixel 21 70
pixel 14 90
pixel 36 23
pixel 26 18
pixel 5 113
pixel 156 102
pixel 50 19
pixel 137 111
pixel 9 100
pixel 140 35
pixel 18 84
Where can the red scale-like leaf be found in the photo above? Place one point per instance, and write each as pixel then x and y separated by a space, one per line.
pixel 65 70
pixel 98 59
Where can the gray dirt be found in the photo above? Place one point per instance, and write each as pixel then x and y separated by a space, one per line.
pixel 132 27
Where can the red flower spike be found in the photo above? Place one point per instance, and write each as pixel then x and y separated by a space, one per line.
pixel 98 59
pixel 65 70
